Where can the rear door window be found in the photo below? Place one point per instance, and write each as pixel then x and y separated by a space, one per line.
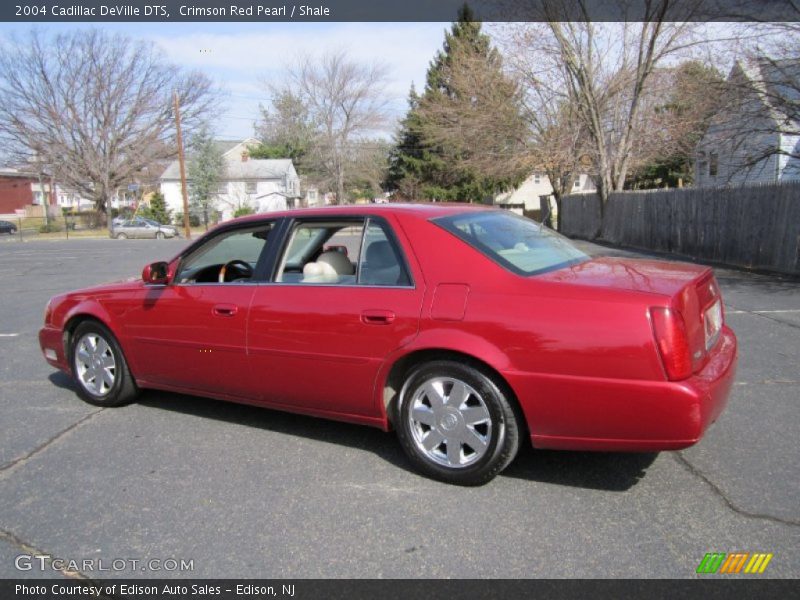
pixel 352 251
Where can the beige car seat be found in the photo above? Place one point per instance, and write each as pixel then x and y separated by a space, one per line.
pixel 328 268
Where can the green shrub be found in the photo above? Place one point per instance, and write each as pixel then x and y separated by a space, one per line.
pixel 242 211
pixel 157 210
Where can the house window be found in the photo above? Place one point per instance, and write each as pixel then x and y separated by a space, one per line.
pixel 577 183
pixel 537 178
pixel 713 164
pixel 222 188
pixel 250 187
pixel 702 164
pixel 312 195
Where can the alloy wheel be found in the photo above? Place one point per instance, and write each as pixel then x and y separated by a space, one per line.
pixel 450 422
pixel 95 365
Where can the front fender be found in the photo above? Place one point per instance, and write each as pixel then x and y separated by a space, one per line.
pixel 93 309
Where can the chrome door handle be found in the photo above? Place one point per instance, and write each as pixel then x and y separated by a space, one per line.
pixel 225 310
pixel 377 317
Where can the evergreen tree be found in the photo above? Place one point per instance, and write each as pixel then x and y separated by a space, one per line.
pixel 206 170
pixel 409 158
pixel 430 159
pixel 157 210
pixel 286 130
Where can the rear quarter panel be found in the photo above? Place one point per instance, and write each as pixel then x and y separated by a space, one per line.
pixel 530 324
pixel 566 350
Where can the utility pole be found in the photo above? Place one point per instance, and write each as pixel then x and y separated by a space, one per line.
pixel 182 163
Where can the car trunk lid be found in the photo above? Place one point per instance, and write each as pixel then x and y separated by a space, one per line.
pixel 692 292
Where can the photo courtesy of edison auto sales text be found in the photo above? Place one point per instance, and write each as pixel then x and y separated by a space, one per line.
pixel 169 589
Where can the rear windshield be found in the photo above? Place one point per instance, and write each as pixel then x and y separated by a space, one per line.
pixel 520 245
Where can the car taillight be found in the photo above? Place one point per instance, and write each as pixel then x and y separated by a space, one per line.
pixel 672 341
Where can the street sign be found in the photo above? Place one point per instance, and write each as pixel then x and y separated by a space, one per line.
pixel 132 187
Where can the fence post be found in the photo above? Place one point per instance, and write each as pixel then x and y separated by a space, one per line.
pixel 66 225
pixel 19 228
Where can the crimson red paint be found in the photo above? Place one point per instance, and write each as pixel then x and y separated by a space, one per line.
pixel 602 354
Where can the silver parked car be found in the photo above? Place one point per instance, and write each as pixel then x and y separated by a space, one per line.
pixel 139 227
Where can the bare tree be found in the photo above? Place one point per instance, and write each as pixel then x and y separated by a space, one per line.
pixel 676 110
pixel 346 104
pixel 557 142
pixel 603 71
pixel 94 107
pixel 758 127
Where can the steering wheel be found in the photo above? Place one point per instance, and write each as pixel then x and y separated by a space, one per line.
pixel 242 268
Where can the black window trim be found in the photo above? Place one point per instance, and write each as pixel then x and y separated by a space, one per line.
pixel 290 225
pixel 261 263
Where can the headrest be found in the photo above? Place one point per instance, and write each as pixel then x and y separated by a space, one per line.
pixel 380 255
pixel 340 263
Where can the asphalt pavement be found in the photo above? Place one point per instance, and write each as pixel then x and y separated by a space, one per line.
pixel 243 492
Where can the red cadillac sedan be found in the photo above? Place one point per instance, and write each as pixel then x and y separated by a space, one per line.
pixel 465 329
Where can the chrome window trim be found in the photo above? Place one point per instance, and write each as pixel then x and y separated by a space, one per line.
pixel 357 286
pixel 215 283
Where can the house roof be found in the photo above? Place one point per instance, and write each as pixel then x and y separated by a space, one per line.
pixel 261 168
pixel 778 84
pixel 276 193
pixel 12 172
pixel 225 146
pixel 235 168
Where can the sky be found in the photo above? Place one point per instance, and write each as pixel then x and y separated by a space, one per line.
pixel 241 57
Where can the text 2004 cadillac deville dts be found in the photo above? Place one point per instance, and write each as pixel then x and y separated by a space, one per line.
pixel 465 329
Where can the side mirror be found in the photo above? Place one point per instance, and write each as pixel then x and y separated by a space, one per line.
pixel 155 273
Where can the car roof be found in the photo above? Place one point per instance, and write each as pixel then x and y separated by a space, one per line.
pixel 426 210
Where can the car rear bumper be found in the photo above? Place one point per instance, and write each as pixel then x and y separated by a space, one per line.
pixel 580 413
pixel 51 342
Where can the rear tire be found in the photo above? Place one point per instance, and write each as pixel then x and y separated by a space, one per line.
pixel 456 424
pixel 99 370
pixel 159 235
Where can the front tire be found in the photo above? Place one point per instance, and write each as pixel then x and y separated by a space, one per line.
pixel 159 235
pixel 456 424
pixel 122 236
pixel 99 369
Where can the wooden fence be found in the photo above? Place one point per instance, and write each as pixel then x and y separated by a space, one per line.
pixel 756 227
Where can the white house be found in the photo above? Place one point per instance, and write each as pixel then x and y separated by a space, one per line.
pixel 755 138
pixel 73 200
pixel 263 184
pixel 526 196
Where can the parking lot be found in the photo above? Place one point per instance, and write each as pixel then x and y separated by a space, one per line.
pixel 245 492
